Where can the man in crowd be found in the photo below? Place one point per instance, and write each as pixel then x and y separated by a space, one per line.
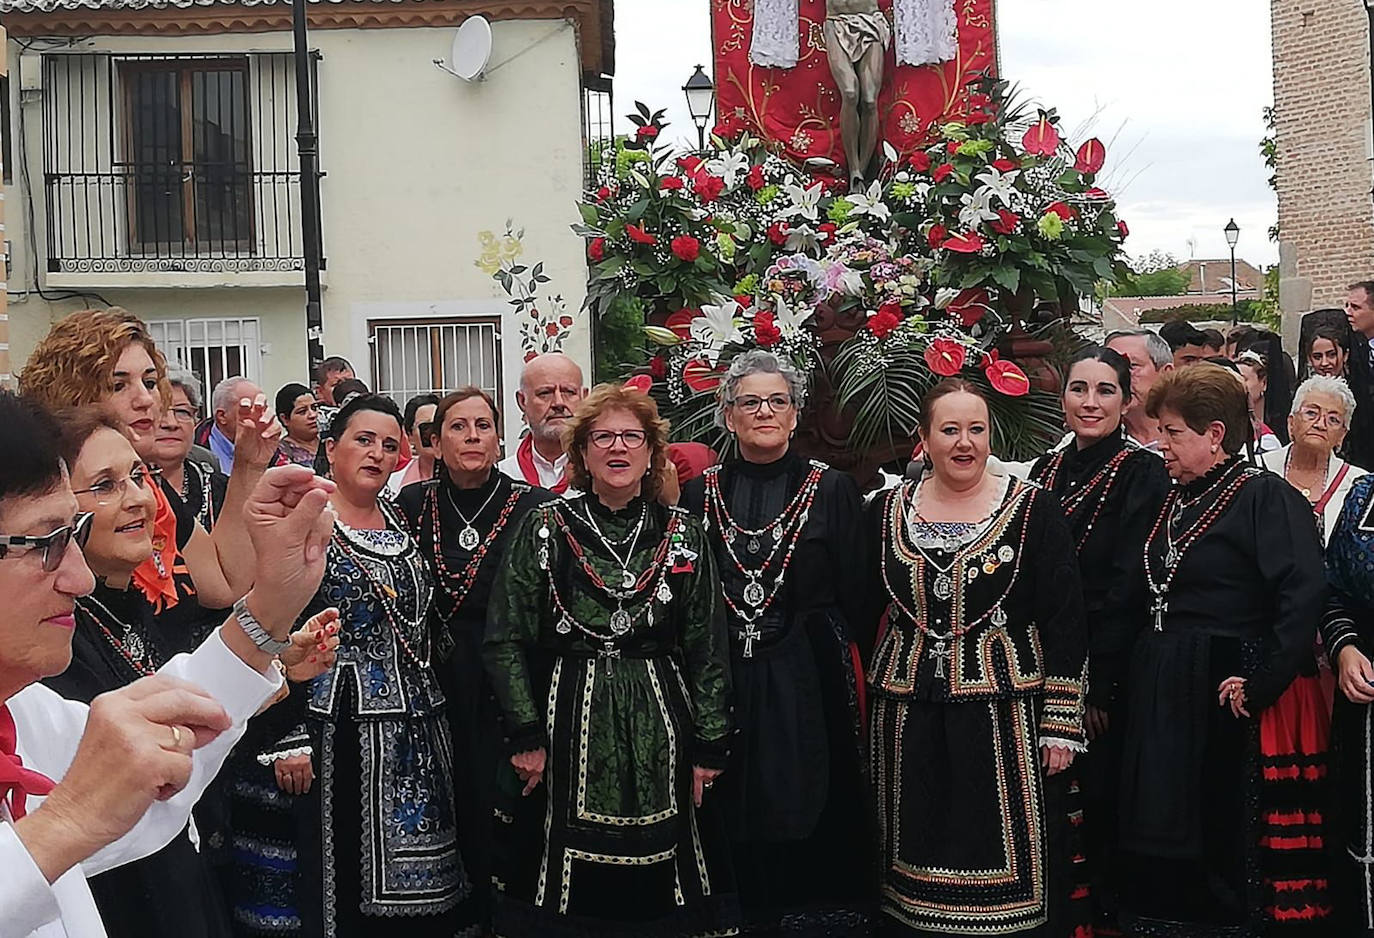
pixel 326 378
pixel 1187 342
pixel 83 789
pixel 1150 357
pixel 419 411
pixel 224 403
pixel 550 390
pixel 1213 342
pixel 1359 312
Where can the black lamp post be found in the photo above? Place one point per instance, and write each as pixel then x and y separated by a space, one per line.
pixel 701 98
pixel 1232 236
pixel 307 148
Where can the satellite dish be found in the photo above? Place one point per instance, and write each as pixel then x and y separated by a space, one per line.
pixel 471 48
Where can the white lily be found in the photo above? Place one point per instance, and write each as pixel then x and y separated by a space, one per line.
pixel 717 327
pixel 729 166
pixel 870 203
pixel 997 184
pixel 802 238
pixel 977 208
pixel 805 202
pixel 841 279
pixel 790 322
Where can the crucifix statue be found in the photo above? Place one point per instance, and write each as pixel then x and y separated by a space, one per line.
pixel 856 38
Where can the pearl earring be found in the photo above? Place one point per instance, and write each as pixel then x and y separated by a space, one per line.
pixel 1214 449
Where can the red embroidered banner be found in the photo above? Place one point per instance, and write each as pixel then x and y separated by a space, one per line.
pixel 799 107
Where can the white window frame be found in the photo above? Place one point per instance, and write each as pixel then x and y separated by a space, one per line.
pixel 409 344
pixel 178 339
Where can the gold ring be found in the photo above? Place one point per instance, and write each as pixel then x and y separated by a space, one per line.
pixel 176 737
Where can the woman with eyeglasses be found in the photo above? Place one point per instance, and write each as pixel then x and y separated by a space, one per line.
pixel 120 636
pixel 198 481
pixel 787 536
pixel 607 647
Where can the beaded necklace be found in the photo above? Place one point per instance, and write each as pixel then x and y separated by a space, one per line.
pixel 387 596
pixel 784 531
pixel 458 594
pixel 1103 479
pixel 132 647
pixel 1230 482
pixel 468 538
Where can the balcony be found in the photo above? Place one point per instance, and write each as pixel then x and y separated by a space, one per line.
pixel 171 170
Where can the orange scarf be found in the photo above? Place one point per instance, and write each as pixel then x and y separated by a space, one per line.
pixel 154 576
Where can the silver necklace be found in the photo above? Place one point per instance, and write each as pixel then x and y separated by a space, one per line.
pixel 627 579
pixel 468 538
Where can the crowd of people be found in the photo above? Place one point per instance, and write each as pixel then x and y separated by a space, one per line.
pixel 328 665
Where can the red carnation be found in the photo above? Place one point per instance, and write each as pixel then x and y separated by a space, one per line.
pixel 946 357
pixel 658 367
pixel 936 236
pixel 826 230
pixel 707 187
pixel 978 117
pixel 952 147
pixel 755 178
pixel 1007 221
pixel 1062 209
pixel 669 183
pixel 1122 229
pixel 686 248
pixel 968 243
pixel 766 331
pixel 1091 155
pixel 919 161
pixel 1006 377
pixel 883 321
pixel 647 132
pixel 603 194
pixel 1005 165
pixel 597 250
pixel 777 233
pixel 942 172
pixel 639 235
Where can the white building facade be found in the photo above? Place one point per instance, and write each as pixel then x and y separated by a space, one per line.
pixel 154 154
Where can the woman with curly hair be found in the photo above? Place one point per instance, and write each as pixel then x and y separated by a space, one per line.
pixel 107 357
pixel 607 647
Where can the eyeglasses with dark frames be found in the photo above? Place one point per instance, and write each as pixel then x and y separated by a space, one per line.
pixel 605 439
pixel 750 403
pixel 53 545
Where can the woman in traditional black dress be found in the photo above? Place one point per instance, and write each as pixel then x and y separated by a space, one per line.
pixel 1111 490
pixel 977 683
pixel 607 646
pixel 788 539
pixel 1233 566
pixel 119 638
pixel 463 520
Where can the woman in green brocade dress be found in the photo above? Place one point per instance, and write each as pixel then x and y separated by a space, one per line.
pixel 606 644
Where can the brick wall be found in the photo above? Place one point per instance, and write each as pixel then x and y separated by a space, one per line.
pixel 1322 107
pixel 5 376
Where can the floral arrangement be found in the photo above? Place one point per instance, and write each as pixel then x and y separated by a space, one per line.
pixel 923 274
pixel 543 326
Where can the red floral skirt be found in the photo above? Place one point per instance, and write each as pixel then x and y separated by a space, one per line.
pixel 1294 737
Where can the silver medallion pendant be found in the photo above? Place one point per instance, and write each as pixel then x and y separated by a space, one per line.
pixel 776 534
pixel 627 580
pixel 754 593
pixel 754 545
pixel 950 545
pixel 468 538
pixel 134 643
pixel 1005 553
pixel 544 532
pixel 1171 558
pixel 944 586
pixel 665 594
pixel 563 627
pixel 621 622
pixel 999 618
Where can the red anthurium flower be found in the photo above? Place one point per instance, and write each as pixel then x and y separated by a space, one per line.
pixel 1007 221
pixel 1006 377
pixel 937 235
pixel 1042 139
pixel 670 183
pixel 658 367
pixel 647 132
pixel 777 233
pixel 681 321
pixel 639 235
pixel 597 250
pixel 978 117
pixel 946 357
pixel 883 321
pixel 755 178
pixel 1096 194
pixel 970 306
pixel 970 242
pixel 689 164
pixel 919 161
pixel 640 383
pixel 700 376
pixel 766 331
pixel 942 172
pixel 1091 155
pixel 686 248
pixel 707 187
pixel 1062 209
pixel 1122 229
pixel 1005 165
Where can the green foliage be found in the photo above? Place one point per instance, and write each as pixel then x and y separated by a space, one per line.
pixel 1167 282
pixel 1269 149
pixel 619 339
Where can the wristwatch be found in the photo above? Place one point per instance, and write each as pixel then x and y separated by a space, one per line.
pixel 254 630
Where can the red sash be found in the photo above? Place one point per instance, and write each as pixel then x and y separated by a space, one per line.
pixel 1319 506
pixel 524 457
pixel 17 782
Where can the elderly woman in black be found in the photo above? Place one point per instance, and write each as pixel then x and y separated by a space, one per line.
pixel 787 536
pixel 1233 568
pixel 1111 490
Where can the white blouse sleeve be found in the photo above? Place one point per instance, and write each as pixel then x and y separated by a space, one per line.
pixel 27 902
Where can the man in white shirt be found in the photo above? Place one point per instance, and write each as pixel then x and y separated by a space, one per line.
pixel 1150 356
pixel 550 390
pixel 84 789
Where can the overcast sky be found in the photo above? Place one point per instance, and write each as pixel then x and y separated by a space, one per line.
pixel 1175 88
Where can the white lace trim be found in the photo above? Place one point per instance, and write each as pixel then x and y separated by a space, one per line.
pixel 267 758
pixel 927 31
pixel 1072 745
pixel 777 34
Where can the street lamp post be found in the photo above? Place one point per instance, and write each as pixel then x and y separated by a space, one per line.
pixel 1232 231
pixel 307 148
pixel 701 98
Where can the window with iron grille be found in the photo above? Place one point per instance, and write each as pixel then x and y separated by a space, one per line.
pixel 435 356
pixel 171 163
pixel 597 132
pixel 213 349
